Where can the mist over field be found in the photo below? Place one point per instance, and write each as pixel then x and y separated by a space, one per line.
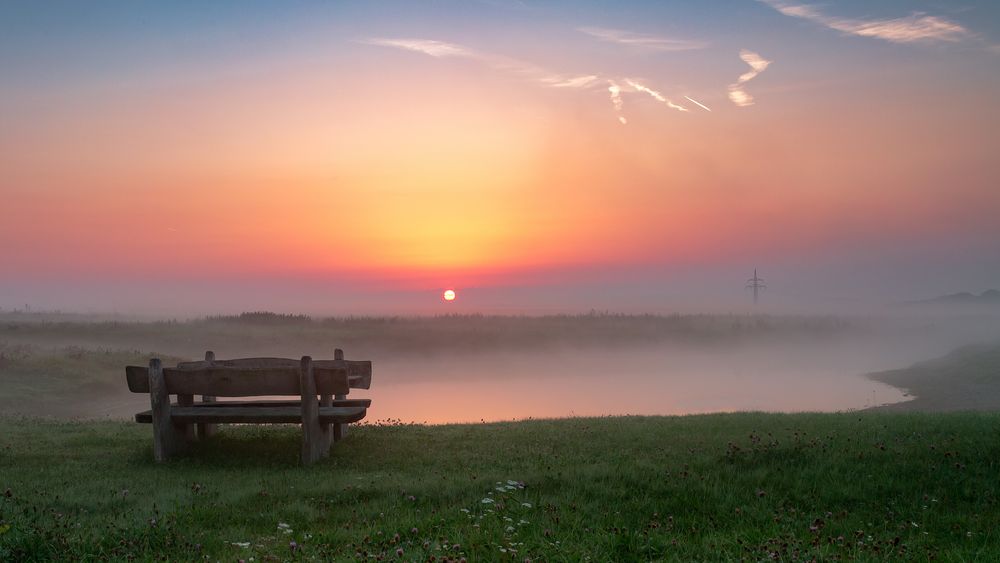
pixel 468 368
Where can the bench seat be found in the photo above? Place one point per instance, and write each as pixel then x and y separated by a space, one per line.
pixel 272 414
pixel 366 403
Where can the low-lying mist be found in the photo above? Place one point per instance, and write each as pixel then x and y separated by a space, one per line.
pixel 472 367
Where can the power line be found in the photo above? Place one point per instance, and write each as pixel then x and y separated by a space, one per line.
pixel 756 284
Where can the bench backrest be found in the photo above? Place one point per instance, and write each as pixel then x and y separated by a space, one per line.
pixel 359 372
pixel 239 382
pixel 246 377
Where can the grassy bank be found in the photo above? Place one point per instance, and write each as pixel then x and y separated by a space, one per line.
pixel 751 486
pixel 965 379
pixel 67 382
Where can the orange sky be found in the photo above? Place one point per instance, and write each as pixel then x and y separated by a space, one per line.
pixel 339 154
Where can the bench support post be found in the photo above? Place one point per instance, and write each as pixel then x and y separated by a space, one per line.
pixel 188 430
pixel 167 437
pixel 329 430
pixel 315 438
pixel 339 430
pixel 206 430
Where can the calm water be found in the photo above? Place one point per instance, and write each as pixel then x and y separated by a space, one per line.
pixel 649 380
pixel 591 383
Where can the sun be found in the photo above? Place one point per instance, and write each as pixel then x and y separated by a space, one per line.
pixel 448 295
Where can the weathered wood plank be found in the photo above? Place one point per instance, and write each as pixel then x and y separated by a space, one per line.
pixel 208 430
pixel 137 378
pixel 147 416
pixel 166 437
pixel 340 430
pixel 284 403
pixel 359 372
pixel 243 382
pixel 256 415
pixel 327 401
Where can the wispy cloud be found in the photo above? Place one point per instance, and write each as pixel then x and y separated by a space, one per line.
pixel 656 95
pixel 915 27
pixel 442 49
pixel 616 100
pixel 616 89
pixel 583 81
pixel 758 64
pixel 643 41
pixel 427 47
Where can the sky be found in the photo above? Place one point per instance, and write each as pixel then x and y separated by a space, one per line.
pixel 355 157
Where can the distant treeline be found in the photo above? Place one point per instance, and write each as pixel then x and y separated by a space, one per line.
pixel 261 317
pixel 736 321
pixel 268 333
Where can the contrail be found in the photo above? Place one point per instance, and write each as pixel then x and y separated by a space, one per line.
pixel 697 103
pixel 656 95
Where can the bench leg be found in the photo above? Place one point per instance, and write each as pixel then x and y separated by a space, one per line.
pixel 327 401
pixel 315 441
pixel 339 430
pixel 315 436
pixel 167 437
pixel 206 430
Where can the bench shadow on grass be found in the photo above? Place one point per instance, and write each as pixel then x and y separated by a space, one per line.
pixel 239 446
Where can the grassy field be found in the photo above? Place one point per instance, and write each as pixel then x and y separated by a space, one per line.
pixel 744 486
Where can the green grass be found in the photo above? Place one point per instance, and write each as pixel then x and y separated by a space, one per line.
pixel 744 486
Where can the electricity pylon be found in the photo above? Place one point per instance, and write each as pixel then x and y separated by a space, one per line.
pixel 756 284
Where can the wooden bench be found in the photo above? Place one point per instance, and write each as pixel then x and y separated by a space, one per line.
pixel 321 386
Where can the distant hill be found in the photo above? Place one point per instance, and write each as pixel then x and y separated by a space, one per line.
pixel 988 297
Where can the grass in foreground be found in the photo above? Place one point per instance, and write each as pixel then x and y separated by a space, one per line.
pixel 744 486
